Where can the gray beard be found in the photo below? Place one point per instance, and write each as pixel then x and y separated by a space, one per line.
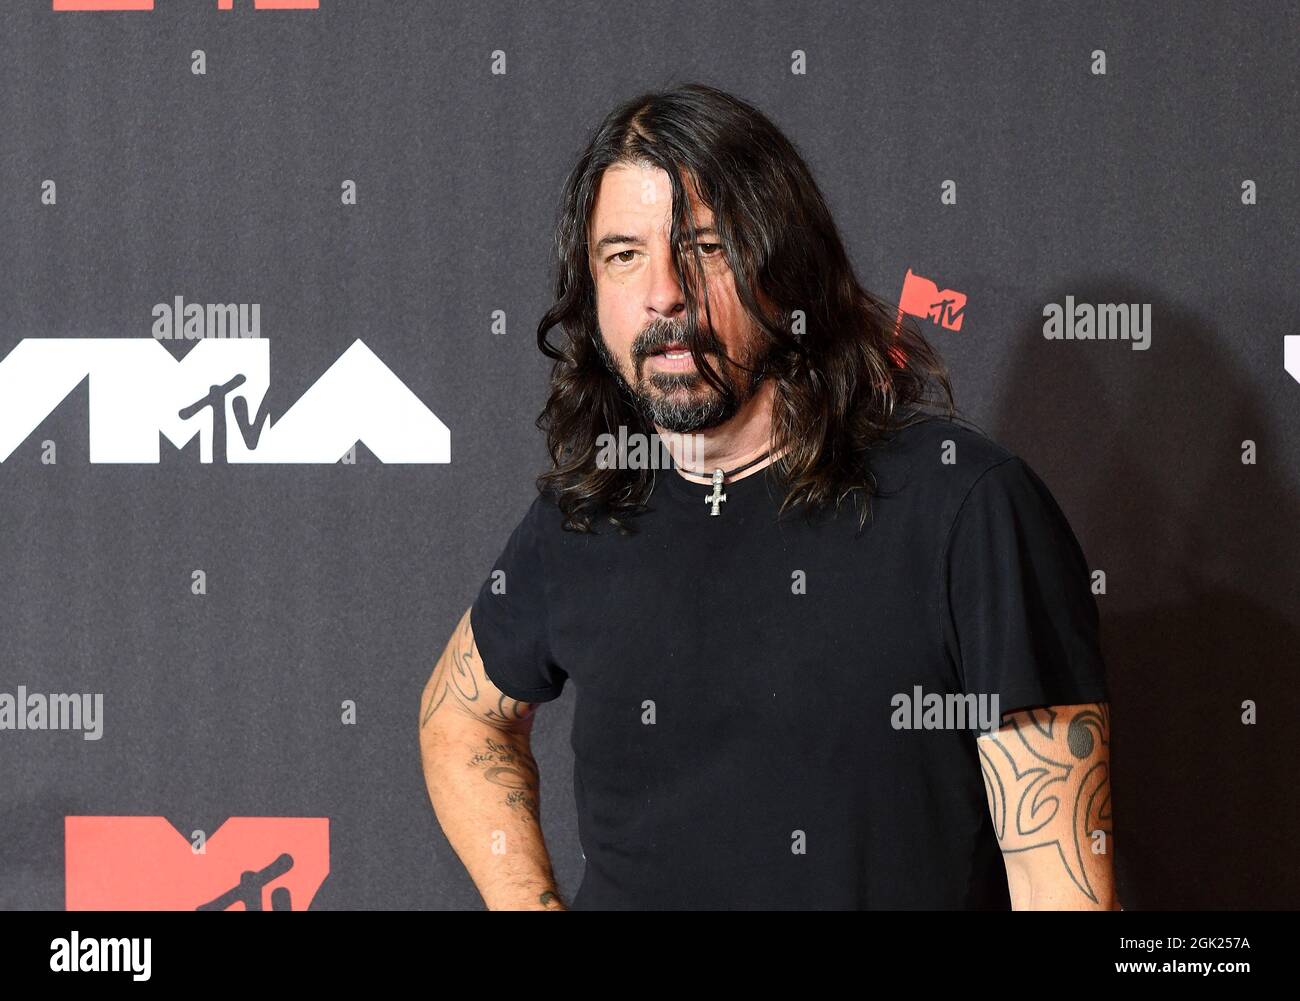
pixel 695 411
pixel 684 415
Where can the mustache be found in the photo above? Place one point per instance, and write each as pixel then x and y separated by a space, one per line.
pixel 659 335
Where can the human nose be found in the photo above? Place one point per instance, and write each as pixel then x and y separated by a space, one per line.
pixel 664 296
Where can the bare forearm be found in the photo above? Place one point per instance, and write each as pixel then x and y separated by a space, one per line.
pixel 1050 891
pixel 482 779
pixel 1047 776
pixel 484 786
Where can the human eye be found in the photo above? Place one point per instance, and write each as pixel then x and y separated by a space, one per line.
pixel 714 253
pixel 616 257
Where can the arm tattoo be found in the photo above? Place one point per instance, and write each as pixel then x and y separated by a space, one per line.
pixel 1043 762
pixel 457 684
pixel 507 765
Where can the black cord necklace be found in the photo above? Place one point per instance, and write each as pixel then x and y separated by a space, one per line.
pixel 716 496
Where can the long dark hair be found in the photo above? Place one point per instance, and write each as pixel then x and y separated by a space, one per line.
pixel 847 367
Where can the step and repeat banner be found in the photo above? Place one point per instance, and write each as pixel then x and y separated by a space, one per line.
pixel 270 279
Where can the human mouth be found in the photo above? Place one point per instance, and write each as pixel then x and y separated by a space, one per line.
pixel 674 357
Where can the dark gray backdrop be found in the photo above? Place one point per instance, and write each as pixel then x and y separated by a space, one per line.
pixel 328 583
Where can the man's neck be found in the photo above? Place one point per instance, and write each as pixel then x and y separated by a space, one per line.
pixel 745 436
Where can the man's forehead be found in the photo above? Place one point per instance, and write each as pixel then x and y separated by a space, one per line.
pixel 632 195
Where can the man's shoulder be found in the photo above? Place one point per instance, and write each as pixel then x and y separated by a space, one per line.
pixel 935 458
pixel 545 517
pixel 543 512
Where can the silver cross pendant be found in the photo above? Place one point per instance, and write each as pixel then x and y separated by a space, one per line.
pixel 717 497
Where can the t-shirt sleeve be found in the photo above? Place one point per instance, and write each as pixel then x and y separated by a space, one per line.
pixel 1021 620
pixel 509 619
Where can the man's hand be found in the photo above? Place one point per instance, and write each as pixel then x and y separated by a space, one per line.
pixel 1047 776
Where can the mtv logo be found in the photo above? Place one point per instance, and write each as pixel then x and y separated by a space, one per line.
pixel 1291 355
pixel 145 864
pixel 138 391
pixel 922 297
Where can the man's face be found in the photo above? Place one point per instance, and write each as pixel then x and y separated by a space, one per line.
pixel 641 311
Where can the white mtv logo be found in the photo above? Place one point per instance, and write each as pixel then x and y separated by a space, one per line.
pixel 1292 355
pixel 138 390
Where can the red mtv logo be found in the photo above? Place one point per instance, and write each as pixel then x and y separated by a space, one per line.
pixel 922 297
pixel 144 864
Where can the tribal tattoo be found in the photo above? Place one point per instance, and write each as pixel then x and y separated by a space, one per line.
pixel 1047 777
pixel 459 683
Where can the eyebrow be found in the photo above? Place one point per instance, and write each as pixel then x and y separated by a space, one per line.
pixel 610 239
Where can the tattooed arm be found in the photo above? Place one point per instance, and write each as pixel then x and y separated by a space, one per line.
pixel 1047 776
pixel 483 781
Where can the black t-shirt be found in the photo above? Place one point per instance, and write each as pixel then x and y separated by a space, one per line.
pixel 738 677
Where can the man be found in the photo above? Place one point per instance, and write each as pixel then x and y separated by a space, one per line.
pixel 842 653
